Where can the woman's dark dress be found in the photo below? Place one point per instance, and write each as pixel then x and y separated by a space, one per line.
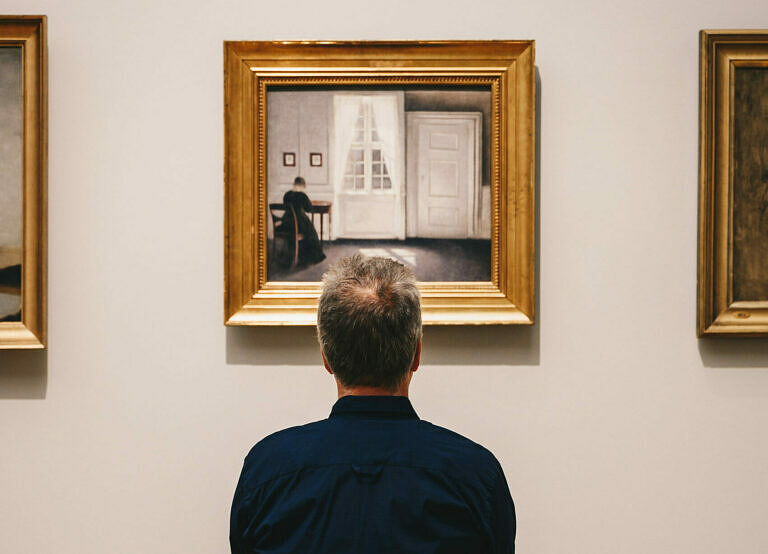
pixel 310 249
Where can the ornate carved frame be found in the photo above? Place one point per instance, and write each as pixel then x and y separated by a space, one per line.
pixel 506 67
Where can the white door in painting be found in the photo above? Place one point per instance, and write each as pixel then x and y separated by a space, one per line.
pixel 444 173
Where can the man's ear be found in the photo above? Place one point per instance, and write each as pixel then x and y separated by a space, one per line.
pixel 416 357
pixel 325 363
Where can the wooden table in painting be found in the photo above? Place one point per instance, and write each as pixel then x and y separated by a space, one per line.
pixel 322 207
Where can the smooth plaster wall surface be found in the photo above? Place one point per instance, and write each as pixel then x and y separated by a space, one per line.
pixel 618 430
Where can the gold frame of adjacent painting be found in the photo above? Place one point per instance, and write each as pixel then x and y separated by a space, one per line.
pixel 721 53
pixel 29 33
pixel 505 67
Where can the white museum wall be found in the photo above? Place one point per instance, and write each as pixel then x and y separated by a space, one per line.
pixel 618 430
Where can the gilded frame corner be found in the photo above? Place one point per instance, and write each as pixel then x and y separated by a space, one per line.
pixel 719 313
pixel 29 33
pixel 506 67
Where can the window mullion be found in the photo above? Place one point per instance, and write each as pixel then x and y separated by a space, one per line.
pixel 367 158
pixel 367 149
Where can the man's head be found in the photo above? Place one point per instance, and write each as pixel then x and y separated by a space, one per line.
pixel 299 183
pixel 369 322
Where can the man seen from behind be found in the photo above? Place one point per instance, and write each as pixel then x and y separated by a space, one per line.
pixel 373 477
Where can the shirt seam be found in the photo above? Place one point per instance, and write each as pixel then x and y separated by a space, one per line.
pixel 426 468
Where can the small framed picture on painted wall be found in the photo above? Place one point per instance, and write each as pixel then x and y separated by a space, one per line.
pixel 315 159
pixel 289 159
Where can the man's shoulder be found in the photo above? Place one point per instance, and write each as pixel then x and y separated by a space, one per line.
pixel 457 451
pixel 280 452
pixel 415 443
pixel 286 441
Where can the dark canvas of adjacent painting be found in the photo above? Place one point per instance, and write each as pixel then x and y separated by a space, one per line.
pixel 10 183
pixel 750 184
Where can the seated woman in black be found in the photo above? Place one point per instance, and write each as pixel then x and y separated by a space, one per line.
pixel 310 249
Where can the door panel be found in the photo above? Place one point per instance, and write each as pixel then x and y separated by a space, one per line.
pixel 443 217
pixel 444 179
pixel 444 187
pixel 443 141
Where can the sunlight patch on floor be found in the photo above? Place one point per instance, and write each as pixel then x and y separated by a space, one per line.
pixel 402 255
pixel 406 256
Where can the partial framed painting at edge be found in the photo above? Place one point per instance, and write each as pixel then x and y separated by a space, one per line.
pixel 503 70
pixel 24 247
pixel 733 184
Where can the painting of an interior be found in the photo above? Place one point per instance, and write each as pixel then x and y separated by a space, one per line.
pixel 10 183
pixel 396 172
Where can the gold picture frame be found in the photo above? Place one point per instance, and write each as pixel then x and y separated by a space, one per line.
pixel 733 184
pixel 28 34
pixel 505 68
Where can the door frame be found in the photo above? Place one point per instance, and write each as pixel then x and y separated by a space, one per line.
pixel 474 158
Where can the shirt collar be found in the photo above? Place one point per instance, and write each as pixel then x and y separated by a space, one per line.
pixel 387 407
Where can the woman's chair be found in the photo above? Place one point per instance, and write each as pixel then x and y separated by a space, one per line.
pixel 287 230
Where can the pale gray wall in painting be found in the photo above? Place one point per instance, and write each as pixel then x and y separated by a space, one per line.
pixel 299 122
pixel 618 430
pixel 10 150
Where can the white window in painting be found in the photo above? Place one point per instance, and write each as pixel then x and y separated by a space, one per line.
pixel 366 137
pixel 368 165
pixel 366 168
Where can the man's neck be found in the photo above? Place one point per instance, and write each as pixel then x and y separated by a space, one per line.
pixel 371 391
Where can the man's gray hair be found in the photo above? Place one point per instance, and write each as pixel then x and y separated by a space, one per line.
pixel 369 321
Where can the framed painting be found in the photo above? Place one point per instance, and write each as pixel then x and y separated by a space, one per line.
pixel 23 156
pixel 733 187
pixel 419 151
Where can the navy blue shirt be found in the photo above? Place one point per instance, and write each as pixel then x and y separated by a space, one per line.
pixel 372 477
